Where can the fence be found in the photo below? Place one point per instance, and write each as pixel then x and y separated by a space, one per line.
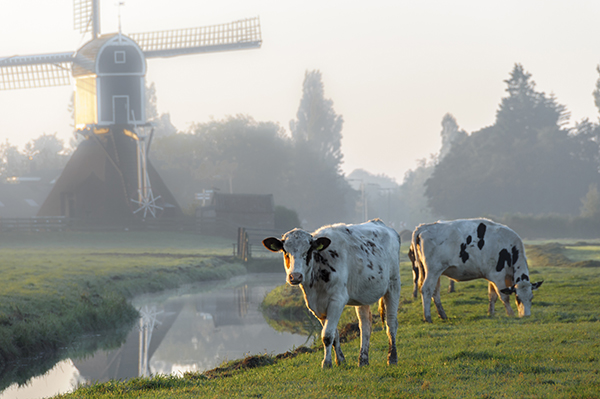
pixel 249 242
pixel 40 224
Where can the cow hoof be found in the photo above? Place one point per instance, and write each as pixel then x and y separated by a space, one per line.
pixel 427 320
pixel 362 362
pixel 326 365
pixel 392 357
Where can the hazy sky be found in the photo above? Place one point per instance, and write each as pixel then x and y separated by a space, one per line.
pixel 392 68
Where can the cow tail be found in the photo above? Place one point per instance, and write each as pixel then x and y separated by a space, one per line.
pixel 382 310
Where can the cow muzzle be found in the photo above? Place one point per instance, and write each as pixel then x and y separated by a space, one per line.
pixel 294 278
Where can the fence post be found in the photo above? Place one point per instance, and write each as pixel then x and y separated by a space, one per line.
pixel 242 244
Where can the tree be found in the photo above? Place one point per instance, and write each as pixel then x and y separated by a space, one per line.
pixel 162 122
pixel 596 92
pixel 241 155
pixel 450 134
pixel 12 162
pixel 322 195
pixel 590 204
pixel 526 162
pixel 525 110
pixel 317 123
pixel 236 155
pixel 413 201
pixel 47 152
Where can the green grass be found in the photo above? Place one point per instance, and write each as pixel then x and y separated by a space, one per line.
pixel 56 288
pixel 553 353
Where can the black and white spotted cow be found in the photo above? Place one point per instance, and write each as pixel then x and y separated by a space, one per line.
pixel 468 249
pixel 341 265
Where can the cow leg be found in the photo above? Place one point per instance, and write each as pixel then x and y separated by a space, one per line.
pixel 330 333
pixel 339 355
pixel 438 301
pixel 451 286
pixel 415 271
pixel 364 323
pixel 427 289
pixel 390 301
pixel 492 297
pixel 337 348
pixel 506 301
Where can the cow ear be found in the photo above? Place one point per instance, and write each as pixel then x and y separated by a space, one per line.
pixel 537 285
pixel 321 243
pixel 508 290
pixel 273 244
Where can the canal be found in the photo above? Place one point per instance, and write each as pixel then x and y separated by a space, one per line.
pixel 193 328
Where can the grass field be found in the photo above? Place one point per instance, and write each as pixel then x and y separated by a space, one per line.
pixel 56 288
pixel 553 353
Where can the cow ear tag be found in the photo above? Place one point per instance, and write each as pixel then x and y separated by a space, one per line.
pixel 273 244
pixel 321 243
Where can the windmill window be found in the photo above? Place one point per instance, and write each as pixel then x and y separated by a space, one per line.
pixel 119 57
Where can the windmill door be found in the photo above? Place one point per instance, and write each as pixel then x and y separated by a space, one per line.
pixel 121 110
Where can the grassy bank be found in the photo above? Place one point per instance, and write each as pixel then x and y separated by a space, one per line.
pixel 554 353
pixel 59 287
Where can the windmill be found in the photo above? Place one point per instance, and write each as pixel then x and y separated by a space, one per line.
pixel 109 175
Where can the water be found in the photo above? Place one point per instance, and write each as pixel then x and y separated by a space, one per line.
pixel 195 328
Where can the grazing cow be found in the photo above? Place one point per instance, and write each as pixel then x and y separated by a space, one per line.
pixel 468 249
pixel 341 265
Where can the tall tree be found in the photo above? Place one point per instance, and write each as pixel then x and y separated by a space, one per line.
pixel 317 123
pixel 451 133
pixel 321 194
pixel 162 122
pixel 526 110
pixel 596 92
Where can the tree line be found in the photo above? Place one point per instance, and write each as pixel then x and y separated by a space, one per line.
pixel 528 162
pixel 238 154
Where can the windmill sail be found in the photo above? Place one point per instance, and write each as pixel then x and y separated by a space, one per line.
pixel 86 16
pixel 29 71
pixel 237 35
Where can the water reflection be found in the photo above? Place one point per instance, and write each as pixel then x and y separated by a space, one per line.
pixel 60 379
pixel 147 323
pixel 195 328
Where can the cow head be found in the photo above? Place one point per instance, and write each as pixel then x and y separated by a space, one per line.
pixel 297 247
pixel 524 295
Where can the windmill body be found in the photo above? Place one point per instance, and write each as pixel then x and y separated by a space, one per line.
pixel 109 176
pixel 109 78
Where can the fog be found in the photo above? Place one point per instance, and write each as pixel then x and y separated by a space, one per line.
pixel 390 72
pixel 393 69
